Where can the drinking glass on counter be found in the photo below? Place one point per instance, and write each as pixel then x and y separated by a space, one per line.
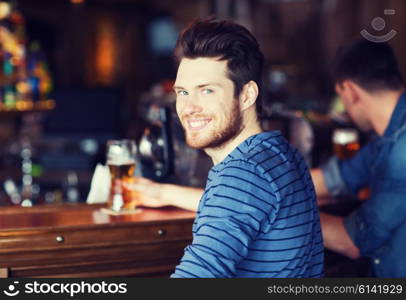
pixel 345 143
pixel 121 163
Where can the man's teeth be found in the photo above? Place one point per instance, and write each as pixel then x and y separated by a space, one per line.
pixel 194 124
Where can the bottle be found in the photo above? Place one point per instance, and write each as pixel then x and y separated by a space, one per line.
pixel 70 188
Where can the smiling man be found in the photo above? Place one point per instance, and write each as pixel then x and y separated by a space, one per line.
pixel 212 118
pixel 258 215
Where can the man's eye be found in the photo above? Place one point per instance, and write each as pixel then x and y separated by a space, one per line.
pixel 182 93
pixel 207 91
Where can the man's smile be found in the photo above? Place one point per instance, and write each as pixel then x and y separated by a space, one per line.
pixel 196 124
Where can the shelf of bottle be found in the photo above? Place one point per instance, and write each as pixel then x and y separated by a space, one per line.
pixel 28 106
pixel 48 177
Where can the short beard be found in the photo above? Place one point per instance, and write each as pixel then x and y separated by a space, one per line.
pixel 221 138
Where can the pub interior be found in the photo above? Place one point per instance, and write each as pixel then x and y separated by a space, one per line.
pixel 76 74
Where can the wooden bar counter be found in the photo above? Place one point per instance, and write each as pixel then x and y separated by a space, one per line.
pixel 80 240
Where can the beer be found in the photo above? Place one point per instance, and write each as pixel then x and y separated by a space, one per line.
pixel 121 163
pixel 122 171
pixel 119 174
pixel 345 146
pixel 345 143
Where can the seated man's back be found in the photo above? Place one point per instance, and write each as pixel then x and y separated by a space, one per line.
pixel 258 216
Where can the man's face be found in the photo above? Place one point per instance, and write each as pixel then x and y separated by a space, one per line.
pixel 205 103
pixel 351 101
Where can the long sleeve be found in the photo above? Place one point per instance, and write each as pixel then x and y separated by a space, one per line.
pixel 375 222
pixel 230 218
pixel 348 176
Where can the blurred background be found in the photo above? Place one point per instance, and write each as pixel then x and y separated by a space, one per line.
pixel 75 73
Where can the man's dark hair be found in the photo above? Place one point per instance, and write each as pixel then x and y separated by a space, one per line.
pixel 227 41
pixel 371 65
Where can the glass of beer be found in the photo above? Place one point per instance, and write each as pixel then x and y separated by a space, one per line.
pixel 121 163
pixel 345 143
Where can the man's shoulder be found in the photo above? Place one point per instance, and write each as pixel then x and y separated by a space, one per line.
pixel 397 155
pixel 239 165
pixel 258 154
pixel 236 165
pixel 266 148
pixel 263 158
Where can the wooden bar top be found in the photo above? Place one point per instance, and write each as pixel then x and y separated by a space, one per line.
pixel 81 215
pixel 81 240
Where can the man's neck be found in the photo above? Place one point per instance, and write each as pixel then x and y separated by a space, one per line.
pixel 218 154
pixel 382 109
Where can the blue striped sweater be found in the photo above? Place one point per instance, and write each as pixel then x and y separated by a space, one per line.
pixel 258 216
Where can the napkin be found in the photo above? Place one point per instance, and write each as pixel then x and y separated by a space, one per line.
pixel 100 185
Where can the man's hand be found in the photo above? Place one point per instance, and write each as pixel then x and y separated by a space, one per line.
pixel 153 194
pixel 319 184
pixel 335 236
pixel 147 192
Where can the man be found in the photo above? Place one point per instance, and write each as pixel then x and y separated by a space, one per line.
pixel 370 85
pixel 258 215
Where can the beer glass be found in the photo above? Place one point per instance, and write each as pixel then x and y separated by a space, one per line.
pixel 121 163
pixel 345 143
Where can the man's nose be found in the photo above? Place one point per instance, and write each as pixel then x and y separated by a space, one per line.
pixel 192 107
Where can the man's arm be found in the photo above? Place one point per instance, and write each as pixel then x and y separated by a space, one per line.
pixel 154 194
pixel 335 236
pixel 348 177
pixel 335 177
pixel 181 196
pixel 229 220
pixel 319 184
pixel 377 220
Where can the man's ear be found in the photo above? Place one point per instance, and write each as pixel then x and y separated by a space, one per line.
pixel 351 91
pixel 248 95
